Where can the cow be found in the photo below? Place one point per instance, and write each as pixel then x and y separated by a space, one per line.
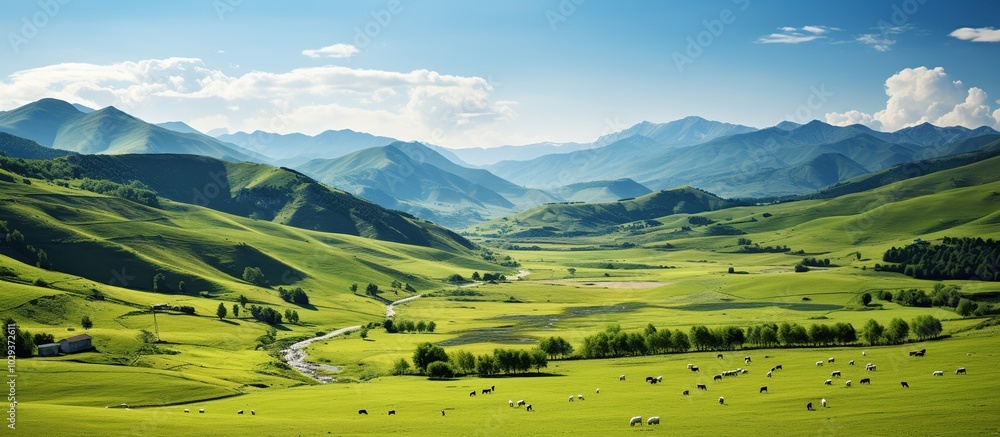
pixel 922 352
pixel 763 389
pixel 830 360
pixel 365 412
pixel 819 364
pixel 571 397
pixel 621 377
pixel 472 393
pixel 938 373
pixel 717 378
pixel 694 368
pixel 201 410
pixel 904 384
pixel 722 400
pixel 913 353
pixel 848 383
pixel 685 393
pixel 865 381
pixel 850 363
pixel 649 378
pixel 768 374
pixel 828 382
pixel 521 402
pixel 702 387
pixel 487 391
pixel 239 412
pixel 823 401
pixel 870 367
pixel 392 412
pixel 655 420
pixel 809 406
pixel 960 370
pixel 835 374
pixel 778 367
pixel 918 354
pixel 719 356
pixel 442 412
pixel 528 408
pixel 774 368
pixel 635 420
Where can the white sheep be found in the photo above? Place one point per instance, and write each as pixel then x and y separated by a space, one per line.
pixel 571 398
pixel 187 410
pixel 722 400
pixel 655 420
pixel 823 401
pixel 597 391
pixel 580 397
pixel 635 420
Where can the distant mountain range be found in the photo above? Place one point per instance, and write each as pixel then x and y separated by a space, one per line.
pixel 58 124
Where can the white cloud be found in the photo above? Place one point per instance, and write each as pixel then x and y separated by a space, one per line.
pixel 883 40
pixel 923 95
pixel 792 35
pixel 977 34
pixel 415 105
pixel 334 51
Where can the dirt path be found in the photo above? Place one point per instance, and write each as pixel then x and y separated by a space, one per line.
pixel 390 311
pixel 295 355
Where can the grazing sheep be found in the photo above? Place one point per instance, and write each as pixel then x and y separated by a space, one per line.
pixel 511 403
pixel 392 412
pixel 809 406
pixel 201 410
pixel 864 354
pixel 828 382
pixel 442 412
pixel 520 402
pixel 829 360
pixel 528 408
pixel 690 366
pixel 960 370
pixel 938 373
pixel 720 356
pixel 744 371
pixel 659 378
pixel 652 381
pixel 865 381
pixel 835 374
pixel 472 393
pixel 848 383
pixel 239 412
pixel 686 393
pixel 722 400
pixel 702 387
pixel 597 391
pixel 850 363
pixel 365 412
pixel 919 354
pixel 253 413
pixel 580 397
pixel 655 420
pixel 187 410
pixel 635 420
pixel 768 374
pixel 904 384
pixel 778 367
pixel 621 377
pixel 823 401
pixel 487 391
pixel 571 397
pixel 819 364
pixel 763 389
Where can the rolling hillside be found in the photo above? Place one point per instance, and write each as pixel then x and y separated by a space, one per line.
pixel 57 124
pixel 601 191
pixel 265 193
pixel 17 147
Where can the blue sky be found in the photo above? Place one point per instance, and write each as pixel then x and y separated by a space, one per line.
pixel 464 74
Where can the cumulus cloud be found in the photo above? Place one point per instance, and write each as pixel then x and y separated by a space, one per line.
pixel 977 34
pixel 792 35
pixel 923 95
pixel 419 104
pixel 334 51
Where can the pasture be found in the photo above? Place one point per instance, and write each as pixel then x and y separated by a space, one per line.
pixel 949 405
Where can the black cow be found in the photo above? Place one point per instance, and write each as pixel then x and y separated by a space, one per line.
pixel 702 387
pixel 720 356
pixel 904 384
pixel 686 393
pixel 472 393
pixel 865 381
pixel 778 367
pixel 809 406
pixel 717 378
pixel 763 389
pixel 392 412
pixel 365 412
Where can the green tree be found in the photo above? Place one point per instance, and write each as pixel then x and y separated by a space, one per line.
pixel 431 326
pixel 254 276
pixel 897 331
pixel 572 271
pixel 236 311
pixel 400 367
pixel 371 289
pixel 221 310
pixel 86 323
pixel 145 337
pixel 539 359
pixel 243 301
pixel 363 334
pixel 24 345
pixel 421 326
pixel 966 307
pixel 475 276
pixel 42 338
pixel 440 370
pixel 873 332
pixel 866 299
pixel 427 353
pixel 464 361
pixel 926 326
pixel 159 282
pixel 354 288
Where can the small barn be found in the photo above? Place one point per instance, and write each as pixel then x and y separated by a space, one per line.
pixel 48 349
pixel 77 343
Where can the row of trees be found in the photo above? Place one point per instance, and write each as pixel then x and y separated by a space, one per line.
pixel 134 191
pixel 24 343
pixel 297 296
pixel 421 326
pixel 941 296
pixel 923 327
pixel 17 241
pixel 433 361
pixel 956 258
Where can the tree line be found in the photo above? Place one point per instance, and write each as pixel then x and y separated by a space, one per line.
pixel 17 241
pixel 955 258
pixel 433 361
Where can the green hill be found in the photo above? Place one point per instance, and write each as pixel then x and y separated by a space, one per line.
pixel 17 147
